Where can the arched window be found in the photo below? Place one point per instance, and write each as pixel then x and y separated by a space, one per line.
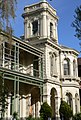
pixel 66 67
pixel 74 67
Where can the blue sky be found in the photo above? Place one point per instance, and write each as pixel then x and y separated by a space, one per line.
pixel 65 11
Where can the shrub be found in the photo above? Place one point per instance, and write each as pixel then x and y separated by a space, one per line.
pixel 77 116
pixel 45 111
pixel 80 108
pixel 15 115
pixel 65 111
pixel 31 118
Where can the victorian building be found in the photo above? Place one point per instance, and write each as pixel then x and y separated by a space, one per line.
pixel 79 67
pixel 36 68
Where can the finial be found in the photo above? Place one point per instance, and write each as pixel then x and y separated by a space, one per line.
pixel 43 0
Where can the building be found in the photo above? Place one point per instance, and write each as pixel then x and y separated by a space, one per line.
pixel 79 67
pixel 37 69
pixel 79 74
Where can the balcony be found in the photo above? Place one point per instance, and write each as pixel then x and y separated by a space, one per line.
pixel 22 58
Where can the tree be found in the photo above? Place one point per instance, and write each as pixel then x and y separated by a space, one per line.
pixel 65 111
pixel 3 96
pixel 77 22
pixel 7 11
pixel 45 111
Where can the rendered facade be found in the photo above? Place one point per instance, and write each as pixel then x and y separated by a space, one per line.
pixel 79 67
pixel 36 68
pixel 79 74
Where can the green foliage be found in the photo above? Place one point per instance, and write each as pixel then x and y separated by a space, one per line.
pixel 65 111
pixel 15 115
pixel 80 108
pixel 77 116
pixel 7 11
pixel 45 111
pixel 31 118
pixel 3 96
pixel 77 22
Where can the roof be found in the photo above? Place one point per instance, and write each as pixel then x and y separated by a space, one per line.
pixel 24 44
pixel 65 48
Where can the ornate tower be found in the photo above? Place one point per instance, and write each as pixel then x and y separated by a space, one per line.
pixel 40 21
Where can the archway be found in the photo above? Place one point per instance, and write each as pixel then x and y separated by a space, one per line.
pixel 53 100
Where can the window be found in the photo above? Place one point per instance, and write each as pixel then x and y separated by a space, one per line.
pixel 35 27
pixel 51 30
pixel 51 65
pixel 66 67
pixel 74 67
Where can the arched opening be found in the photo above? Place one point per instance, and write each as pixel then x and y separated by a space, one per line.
pixel 53 100
pixel 69 99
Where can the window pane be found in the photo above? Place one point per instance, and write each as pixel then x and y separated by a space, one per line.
pixel 66 67
pixel 74 67
pixel 51 29
pixel 35 26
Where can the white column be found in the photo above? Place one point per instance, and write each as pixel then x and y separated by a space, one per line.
pixel 20 106
pixel 25 29
pixel 17 103
pixel 46 93
pixel 71 68
pixel 8 110
pixel 31 69
pixel 76 70
pixel 48 26
pixel 33 110
pixel 37 109
pixel 44 27
pixel 3 53
pixel 23 107
pixel 28 105
pixel 59 102
pixel 56 106
pixel 73 105
pixel 13 104
pixel 56 32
